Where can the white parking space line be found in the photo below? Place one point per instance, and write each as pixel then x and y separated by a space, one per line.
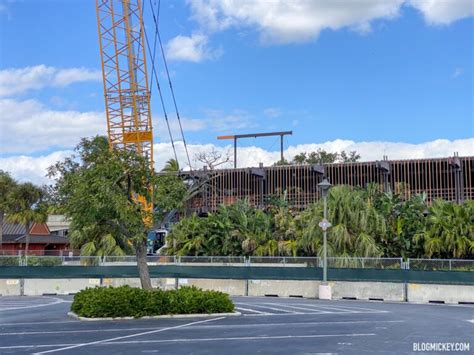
pixel 356 308
pixel 36 323
pixel 343 309
pixel 212 326
pixel 273 308
pixel 264 337
pixel 81 331
pixel 130 336
pixel 294 324
pixel 111 342
pixel 308 310
pixel 34 305
pixel 13 347
pixel 251 310
pixel 283 308
pixel 332 310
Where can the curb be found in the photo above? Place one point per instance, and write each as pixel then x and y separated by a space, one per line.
pixel 165 316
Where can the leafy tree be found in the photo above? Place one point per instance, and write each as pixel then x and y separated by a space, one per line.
pixel 321 157
pixel 27 208
pixel 449 231
pixel 318 157
pixel 170 191
pixel 405 219
pixel 98 187
pixel 356 225
pixel 97 241
pixel 7 186
pixel 352 157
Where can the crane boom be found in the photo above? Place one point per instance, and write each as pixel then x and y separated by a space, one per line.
pixel 125 77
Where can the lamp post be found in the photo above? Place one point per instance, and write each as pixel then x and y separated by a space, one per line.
pixel 325 290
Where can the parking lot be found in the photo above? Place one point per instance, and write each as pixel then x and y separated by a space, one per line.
pixel 267 325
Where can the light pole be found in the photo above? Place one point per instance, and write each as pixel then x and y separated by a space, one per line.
pixel 325 290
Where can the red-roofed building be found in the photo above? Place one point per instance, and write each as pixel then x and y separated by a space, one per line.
pixel 42 240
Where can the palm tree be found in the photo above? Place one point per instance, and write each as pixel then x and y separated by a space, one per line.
pixel 356 225
pixel 27 208
pixel 99 241
pixel 171 166
pixel 449 231
pixel 7 185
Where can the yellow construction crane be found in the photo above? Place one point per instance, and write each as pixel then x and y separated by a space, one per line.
pixel 125 77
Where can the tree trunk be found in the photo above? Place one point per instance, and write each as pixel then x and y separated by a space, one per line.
pixel 2 214
pixel 142 265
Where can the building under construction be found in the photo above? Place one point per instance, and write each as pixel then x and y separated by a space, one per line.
pixel 441 178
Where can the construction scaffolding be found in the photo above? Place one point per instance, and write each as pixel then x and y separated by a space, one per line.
pixel 450 179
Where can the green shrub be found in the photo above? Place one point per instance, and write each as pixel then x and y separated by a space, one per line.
pixel 126 301
pixel 44 260
pixel 9 261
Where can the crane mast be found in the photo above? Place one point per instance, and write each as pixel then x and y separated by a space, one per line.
pixel 125 78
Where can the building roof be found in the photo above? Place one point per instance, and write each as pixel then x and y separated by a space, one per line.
pixel 35 239
pixel 57 222
pixel 14 233
pixel 13 229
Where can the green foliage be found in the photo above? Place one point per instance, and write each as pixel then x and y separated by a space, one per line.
pixel 126 301
pixel 44 260
pixel 365 223
pixel 449 230
pixel 7 186
pixel 96 189
pixel 10 260
pixel 170 190
pixel 321 157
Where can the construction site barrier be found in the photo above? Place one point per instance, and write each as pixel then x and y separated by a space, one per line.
pixel 240 273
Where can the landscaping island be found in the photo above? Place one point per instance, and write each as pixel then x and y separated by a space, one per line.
pixel 126 301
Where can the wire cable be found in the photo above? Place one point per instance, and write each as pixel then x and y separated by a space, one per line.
pixel 155 75
pixel 155 19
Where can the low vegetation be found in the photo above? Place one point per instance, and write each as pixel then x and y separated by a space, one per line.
pixel 126 301
pixel 365 223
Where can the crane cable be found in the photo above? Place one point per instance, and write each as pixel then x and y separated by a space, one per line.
pixel 155 75
pixel 157 32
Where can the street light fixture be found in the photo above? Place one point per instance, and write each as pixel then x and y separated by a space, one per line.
pixel 324 289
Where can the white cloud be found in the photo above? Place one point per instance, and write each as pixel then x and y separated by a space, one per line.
pixel 213 121
pixel 272 112
pixel 457 73
pixel 444 12
pixel 29 168
pixel 29 126
pixel 18 80
pixel 220 121
pixel 192 49
pixel 283 21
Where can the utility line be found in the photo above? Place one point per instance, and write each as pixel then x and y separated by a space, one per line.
pixel 155 75
pixel 169 81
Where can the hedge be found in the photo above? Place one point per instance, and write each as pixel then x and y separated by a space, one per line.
pixel 126 301
pixel 9 261
pixel 44 260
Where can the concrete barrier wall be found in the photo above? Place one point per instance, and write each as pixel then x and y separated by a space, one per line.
pixel 424 293
pixel 10 287
pixel 38 287
pixel 417 293
pixel 232 287
pixel 283 288
pixel 387 291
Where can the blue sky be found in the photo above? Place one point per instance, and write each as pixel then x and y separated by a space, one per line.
pixel 397 72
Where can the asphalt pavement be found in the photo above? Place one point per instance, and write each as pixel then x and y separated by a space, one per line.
pixel 267 326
